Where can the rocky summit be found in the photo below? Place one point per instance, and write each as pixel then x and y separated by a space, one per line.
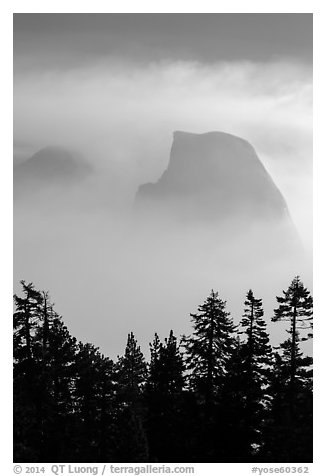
pixel 52 164
pixel 214 176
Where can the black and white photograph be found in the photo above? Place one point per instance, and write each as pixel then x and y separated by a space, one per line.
pixel 162 238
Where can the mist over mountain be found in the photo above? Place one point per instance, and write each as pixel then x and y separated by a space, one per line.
pixel 51 165
pixel 212 175
pixel 215 219
pixel 54 175
pixel 217 180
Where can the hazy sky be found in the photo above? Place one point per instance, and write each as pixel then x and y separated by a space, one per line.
pixel 114 87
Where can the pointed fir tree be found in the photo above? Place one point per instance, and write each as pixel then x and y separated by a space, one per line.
pixel 27 318
pixel 163 399
pixel 60 377
pixel 46 398
pixel 256 350
pixel 231 426
pixel 209 348
pixel 46 388
pixel 131 373
pixel 295 306
pixel 131 370
pixel 173 363
pixel 207 354
pixel 165 371
pixel 154 368
pixel 107 431
pixel 27 371
pixel 256 355
pixel 86 398
pixel 289 435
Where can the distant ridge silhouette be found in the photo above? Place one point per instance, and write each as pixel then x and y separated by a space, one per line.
pixel 52 164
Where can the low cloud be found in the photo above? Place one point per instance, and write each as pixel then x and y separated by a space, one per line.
pixel 121 117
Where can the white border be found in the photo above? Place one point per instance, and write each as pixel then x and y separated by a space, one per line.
pixel 60 6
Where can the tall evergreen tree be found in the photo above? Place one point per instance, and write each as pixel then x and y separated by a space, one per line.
pixel 257 349
pixel 209 348
pixel 107 431
pixel 164 399
pixel 131 370
pixel 166 366
pixel 289 436
pixel 230 422
pixel 86 397
pixel 27 317
pixel 43 358
pixel 256 355
pixel 207 354
pixel 154 368
pixel 295 306
pixel 131 373
pixel 59 382
pixel 27 382
pixel 245 395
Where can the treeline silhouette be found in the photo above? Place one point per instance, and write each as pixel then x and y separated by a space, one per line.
pixel 221 394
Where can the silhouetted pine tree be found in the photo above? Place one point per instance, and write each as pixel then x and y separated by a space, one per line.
pixel 256 348
pixel 39 346
pixel 295 306
pixel 166 367
pixel 289 435
pixel 207 353
pixel 230 420
pixel 131 373
pixel 257 354
pixel 131 370
pixel 55 353
pixel 87 399
pixel 107 430
pixel 26 320
pixel 164 400
pixel 209 348
pixel 60 381
pixel 153 379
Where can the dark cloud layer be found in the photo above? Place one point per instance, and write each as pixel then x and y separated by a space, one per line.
pixel 52 41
